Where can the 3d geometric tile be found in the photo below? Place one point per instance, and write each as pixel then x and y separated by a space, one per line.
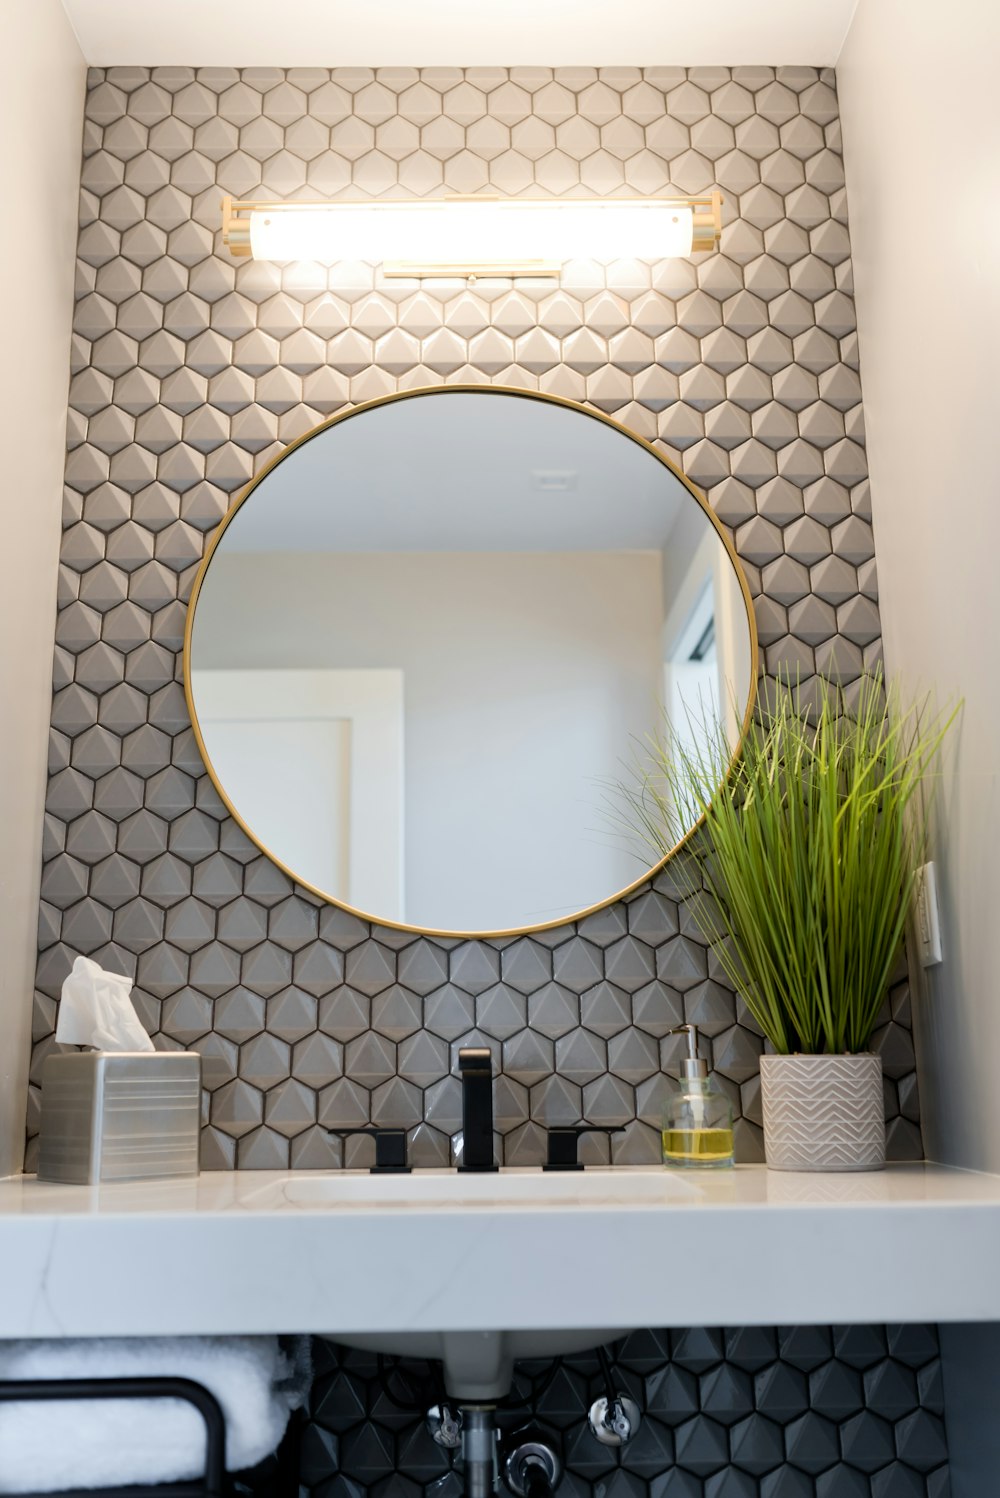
pixel 500 1012
pixel 811 1443
pixel 242 924
pixel 423 1059
pixel 214 969
pixel 264 1061
pixel 187 1017
pixel 113 882
pixel 343 1013
pixel 556 1101
pixel 580 1056
pixel 194 368
pixel 318 968
pixel 891 1389
pixel 137 925
pixel 237 1106
pixel 290 1108
pixel 553 1012
pixel 657 1009
pixel 370 1060
pixel 162 970
pixel 526 966
pixel 239 1015
pixel 836 1390
pixel 449 1012
pixel 473 967
pixel 913 1344
pixel 608 1101
pixel 701 1446
pixel 190 925
pixel 867 1441
pixel 805 1347
pixel 217 880
pixel 396 1103
pixel 266 969
pixel 395 1013
pixel 86 926
pixel 423 967
pixel 633 1056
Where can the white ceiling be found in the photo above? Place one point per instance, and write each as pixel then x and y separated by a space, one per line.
pixel 457 33
pixel 456 471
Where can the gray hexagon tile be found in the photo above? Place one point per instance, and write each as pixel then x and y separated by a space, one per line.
pixel 396 1013
pixel 581 1056
pixel 191 370
pixel 553 1010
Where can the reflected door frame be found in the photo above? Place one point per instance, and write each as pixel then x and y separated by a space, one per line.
pixel 370 702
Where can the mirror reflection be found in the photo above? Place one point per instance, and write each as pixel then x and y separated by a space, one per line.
pixel 427 638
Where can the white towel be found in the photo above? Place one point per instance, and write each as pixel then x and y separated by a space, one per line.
pixel 49 1445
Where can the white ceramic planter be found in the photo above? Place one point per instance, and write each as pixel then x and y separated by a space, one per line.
pixel 823 1112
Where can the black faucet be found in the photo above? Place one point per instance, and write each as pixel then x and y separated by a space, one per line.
pixel 475 1066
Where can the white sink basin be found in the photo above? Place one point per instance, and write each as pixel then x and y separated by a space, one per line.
pixel 478 1366
pixel 613 1186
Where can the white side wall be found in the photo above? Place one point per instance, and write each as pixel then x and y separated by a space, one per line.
pixel 41 122
pixel 917 84
pixel 922 143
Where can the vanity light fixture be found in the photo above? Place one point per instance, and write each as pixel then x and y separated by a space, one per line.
pixel 461 236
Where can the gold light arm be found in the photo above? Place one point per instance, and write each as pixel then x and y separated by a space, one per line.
pixel 236 229
pixel 707 221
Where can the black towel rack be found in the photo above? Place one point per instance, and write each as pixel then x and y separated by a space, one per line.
pixel 212 1485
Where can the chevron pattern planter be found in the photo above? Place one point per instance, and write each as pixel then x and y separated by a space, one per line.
pixel 823 1112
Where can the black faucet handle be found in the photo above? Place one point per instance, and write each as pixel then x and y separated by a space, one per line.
pixel 562 1140
pixel 390 1149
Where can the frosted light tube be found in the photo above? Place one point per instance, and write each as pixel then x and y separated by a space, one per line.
pixel 473 233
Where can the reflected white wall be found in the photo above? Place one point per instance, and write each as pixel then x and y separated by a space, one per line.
pixel 498 653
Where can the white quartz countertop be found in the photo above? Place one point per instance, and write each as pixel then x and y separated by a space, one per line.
pixel 267 1251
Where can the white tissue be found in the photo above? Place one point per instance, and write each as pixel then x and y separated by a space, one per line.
pixel 96 1010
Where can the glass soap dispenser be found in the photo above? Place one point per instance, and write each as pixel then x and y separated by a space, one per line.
pixel 698 1118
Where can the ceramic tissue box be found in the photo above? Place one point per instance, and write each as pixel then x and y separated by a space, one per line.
pixel 119 1116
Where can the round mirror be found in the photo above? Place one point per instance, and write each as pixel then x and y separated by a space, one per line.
pixel 429 634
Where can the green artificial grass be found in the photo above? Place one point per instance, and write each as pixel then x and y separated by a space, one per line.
pixel 803 867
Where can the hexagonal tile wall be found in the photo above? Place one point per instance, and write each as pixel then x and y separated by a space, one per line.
pixel 757 1412
pixel 191 370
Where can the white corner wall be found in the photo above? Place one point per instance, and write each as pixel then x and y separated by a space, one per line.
pixel 41 123
pixel 917 82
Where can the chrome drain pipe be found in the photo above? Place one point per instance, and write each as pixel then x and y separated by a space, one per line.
pixel 479 1450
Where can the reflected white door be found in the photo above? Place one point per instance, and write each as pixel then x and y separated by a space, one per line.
pixel 314 761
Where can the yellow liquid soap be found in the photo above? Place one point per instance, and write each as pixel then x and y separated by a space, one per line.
pixel 697 1146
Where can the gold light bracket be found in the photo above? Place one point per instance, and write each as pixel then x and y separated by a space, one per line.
pixel 707 221
pixel 236 229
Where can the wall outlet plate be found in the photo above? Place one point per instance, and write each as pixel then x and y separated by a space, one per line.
pixel 928 917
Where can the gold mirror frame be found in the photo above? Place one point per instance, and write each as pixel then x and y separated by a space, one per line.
pixel 509 390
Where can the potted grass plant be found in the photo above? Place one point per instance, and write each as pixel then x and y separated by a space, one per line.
pixel 802 870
